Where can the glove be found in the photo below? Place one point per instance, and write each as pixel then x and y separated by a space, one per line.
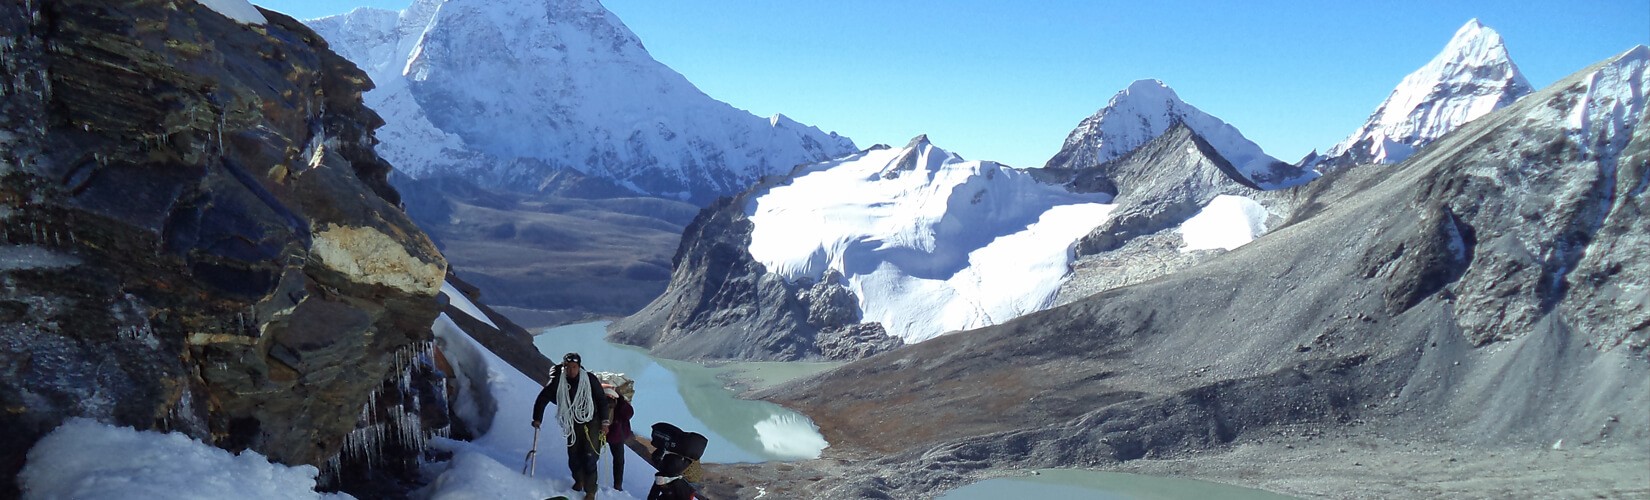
pixel 535 424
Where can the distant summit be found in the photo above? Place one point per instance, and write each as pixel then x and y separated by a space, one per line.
pixel 513 93
pixel 1471 77
pixel 1147 109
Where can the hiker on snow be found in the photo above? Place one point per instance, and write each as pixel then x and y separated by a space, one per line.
pixel 619 432
pixel 582 410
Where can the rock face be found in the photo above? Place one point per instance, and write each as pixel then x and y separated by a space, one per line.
pixel 197 233
pixel 1481 293
pixel 513 93
pixel 722 304
pixel 1471 77
pixel 1159 187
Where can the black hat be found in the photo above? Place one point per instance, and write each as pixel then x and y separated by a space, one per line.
pixel 571 357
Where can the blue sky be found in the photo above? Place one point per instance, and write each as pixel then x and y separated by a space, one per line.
pixel 1007 80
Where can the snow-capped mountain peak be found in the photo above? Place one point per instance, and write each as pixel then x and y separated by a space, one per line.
pixel 511 92
pixel 1471 77
pixel 1147 109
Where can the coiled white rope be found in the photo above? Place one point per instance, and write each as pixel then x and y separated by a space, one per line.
pixel 573 411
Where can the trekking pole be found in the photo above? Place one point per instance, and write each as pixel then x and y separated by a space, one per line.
pixel 532 455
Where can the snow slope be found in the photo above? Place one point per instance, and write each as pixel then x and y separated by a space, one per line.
pixel 928 242
pixel 238 10
pixel 457 299
pixel 509 91
pixel 1471 77
pixel 87 460
pixel 491 465
pixel 1144 111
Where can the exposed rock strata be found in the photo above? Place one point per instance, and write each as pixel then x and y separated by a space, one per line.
pixel 722 304
pixel 204 239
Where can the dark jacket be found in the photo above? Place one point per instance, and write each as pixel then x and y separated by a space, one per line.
pixel 548 395
pixel 620 430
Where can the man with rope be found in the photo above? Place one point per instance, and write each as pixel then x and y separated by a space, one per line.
pixel 582 410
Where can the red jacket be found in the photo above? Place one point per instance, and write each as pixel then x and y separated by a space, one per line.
pixel 619 431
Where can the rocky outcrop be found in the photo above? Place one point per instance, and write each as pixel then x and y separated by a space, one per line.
pixel 1158 188
pixel 1467 296
pixel 722 304
pixel 197 234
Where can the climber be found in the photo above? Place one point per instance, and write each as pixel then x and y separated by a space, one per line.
pixel 582 411
pixel 619 431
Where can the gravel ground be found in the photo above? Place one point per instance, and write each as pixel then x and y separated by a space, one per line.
pixel 1352 466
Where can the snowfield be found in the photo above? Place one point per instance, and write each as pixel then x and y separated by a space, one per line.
pixel 928 242
pixel 87 460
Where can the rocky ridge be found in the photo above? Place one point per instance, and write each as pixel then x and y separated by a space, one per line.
pixel 1144 111
pixel 722 304
pixel 198 236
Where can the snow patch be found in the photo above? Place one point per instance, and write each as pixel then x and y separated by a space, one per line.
pixel 457 299
pixel 1613 104
pixel 1226 223
pixel 791 436
pixel 84 459
pixel 239 10
pixel 928 242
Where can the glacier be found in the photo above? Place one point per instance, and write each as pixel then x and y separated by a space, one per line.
pixel 928 242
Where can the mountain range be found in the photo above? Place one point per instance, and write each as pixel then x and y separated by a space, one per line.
pixel 918 239
pixel 1455 325
pixel 201 238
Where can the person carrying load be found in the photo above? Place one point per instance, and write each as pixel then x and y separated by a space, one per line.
pixel 584 414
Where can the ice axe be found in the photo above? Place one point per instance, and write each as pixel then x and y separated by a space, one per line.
pixel 532 455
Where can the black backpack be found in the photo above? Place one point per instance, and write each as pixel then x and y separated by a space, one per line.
pixel 671 440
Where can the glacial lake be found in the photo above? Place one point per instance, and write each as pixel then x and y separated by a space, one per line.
pixel 695 398
pixel 1098 485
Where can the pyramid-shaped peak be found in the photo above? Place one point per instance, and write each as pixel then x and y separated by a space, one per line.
pixel 1471 77
pixel 1475 43
pixel 1145 91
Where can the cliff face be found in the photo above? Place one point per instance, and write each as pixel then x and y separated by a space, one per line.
pixel 197 233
